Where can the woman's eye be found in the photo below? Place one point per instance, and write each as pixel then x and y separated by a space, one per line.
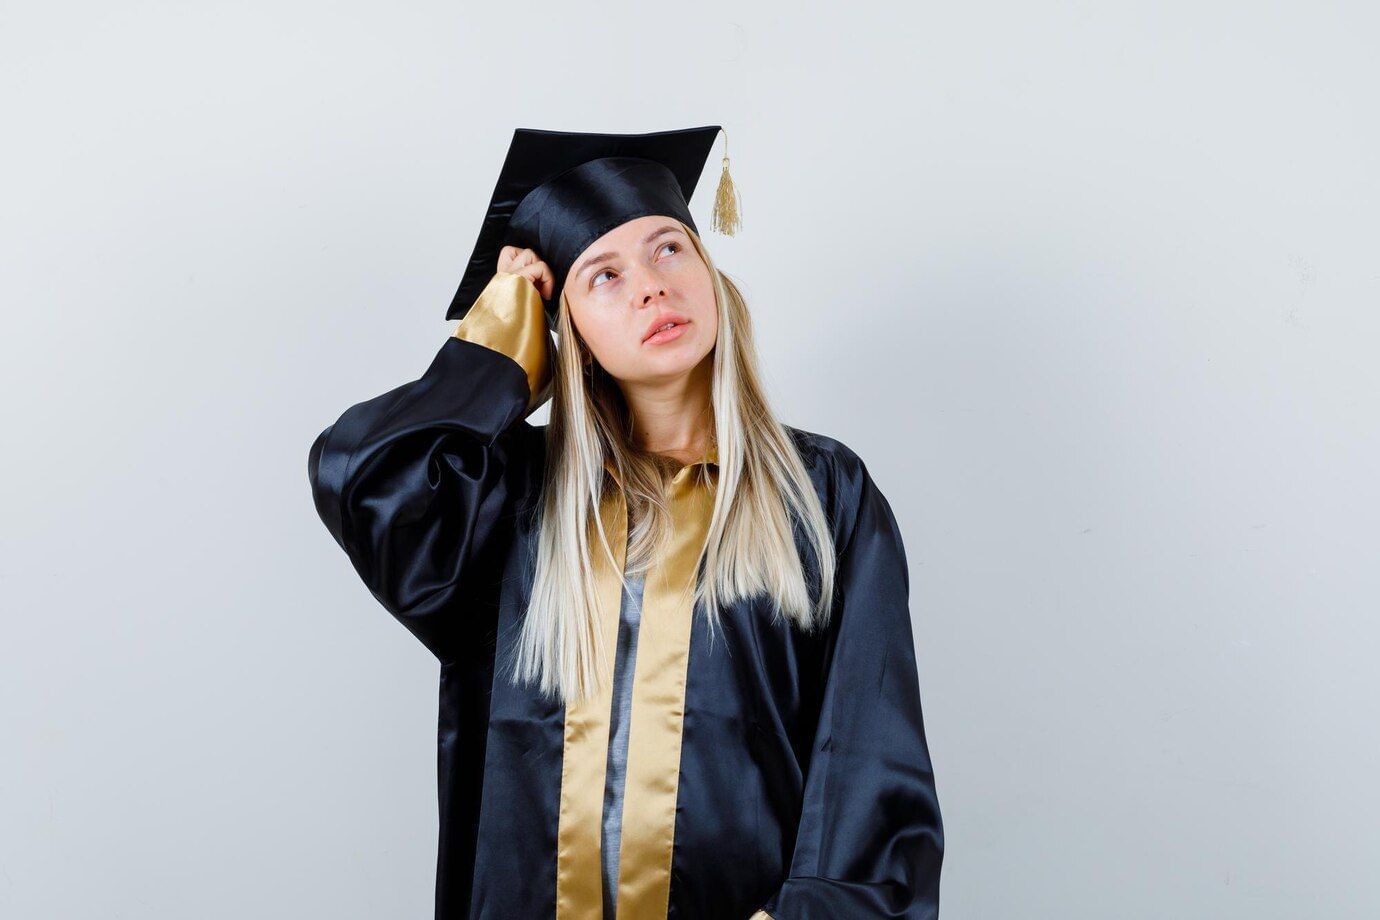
pixel 595 282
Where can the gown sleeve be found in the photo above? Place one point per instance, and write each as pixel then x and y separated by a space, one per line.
pixel 414 482
pixel 870 840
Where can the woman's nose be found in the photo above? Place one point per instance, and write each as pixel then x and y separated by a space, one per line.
pixel 652 287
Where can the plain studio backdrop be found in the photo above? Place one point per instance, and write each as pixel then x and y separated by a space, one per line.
pixel 1092 288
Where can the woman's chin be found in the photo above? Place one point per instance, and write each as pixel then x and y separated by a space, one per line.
pixel 670 364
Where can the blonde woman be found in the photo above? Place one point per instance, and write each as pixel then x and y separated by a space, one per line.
pixel 678 677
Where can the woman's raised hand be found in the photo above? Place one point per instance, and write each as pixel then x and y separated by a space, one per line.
pixel 527 263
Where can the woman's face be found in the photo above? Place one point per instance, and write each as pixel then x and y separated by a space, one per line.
pixel 628 284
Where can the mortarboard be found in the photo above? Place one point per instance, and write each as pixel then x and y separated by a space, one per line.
pixel 559 191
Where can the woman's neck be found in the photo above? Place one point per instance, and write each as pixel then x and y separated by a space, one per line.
pixel 673 418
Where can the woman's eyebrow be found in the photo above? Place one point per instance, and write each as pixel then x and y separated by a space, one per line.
pixel 605 256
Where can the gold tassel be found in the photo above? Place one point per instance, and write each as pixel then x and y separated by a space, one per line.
pixel 725 217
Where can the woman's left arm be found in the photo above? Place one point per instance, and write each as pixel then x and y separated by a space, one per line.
pixel 870 840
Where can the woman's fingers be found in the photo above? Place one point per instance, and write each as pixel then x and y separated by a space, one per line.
pixel 542 278
pixel 527 263
pixel 513 258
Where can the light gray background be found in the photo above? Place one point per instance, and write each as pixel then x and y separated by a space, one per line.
pixel 1092 288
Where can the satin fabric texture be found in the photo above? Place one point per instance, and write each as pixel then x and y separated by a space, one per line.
pixel 770 774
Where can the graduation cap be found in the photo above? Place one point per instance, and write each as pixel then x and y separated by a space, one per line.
pixel 559 191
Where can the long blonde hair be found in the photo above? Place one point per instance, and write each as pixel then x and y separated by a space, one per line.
pixel 762 487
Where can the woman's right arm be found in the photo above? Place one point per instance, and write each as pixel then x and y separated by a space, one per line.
pixel 412 483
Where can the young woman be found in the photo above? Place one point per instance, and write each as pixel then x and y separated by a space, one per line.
pixel 677 664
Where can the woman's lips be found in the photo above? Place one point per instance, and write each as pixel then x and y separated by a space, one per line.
pixel 665 335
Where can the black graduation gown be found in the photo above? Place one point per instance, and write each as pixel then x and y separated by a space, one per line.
pixel 798 783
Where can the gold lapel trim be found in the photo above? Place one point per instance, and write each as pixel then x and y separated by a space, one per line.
pixel 579 875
